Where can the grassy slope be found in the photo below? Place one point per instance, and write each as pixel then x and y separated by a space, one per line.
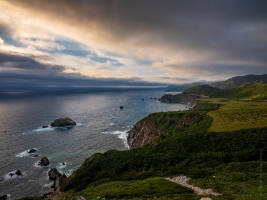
pixel 202 89
pixel 227 161
pixel 255 92
pixel 235 115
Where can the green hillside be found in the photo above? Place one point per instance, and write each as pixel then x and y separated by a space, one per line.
pixel 181 88
pixel 255 92
pixel 240 81
pixel 226 161
pixel 202 89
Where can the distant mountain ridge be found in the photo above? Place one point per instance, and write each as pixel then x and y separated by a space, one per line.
pixel 182 87
pixel 240 81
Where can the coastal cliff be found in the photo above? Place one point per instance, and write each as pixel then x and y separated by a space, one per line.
pixel 142 133
pixel 149 129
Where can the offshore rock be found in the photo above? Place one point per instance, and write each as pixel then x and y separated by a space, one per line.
pixel 32 150
pixel 63 122
pixel 3 196
pixel 18 172
pixel 44 161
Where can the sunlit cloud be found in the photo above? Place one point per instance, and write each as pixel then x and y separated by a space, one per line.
pixel 144 40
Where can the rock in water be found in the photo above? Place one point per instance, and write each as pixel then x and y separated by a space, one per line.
pixel 18 172
pixel 32 150
pixel 3 196
pixel 63 122
pixel 53 174
pixel 45 126
pixel 44 161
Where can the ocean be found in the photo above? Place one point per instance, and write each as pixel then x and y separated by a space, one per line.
pixel 101 126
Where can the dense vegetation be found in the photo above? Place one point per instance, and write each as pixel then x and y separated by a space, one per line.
pixel 202 90
pixel 225 161
pixel 254 92
pixel 240 81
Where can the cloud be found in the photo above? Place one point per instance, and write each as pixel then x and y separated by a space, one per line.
pixel 150 39
pixel 22 64
pixel 42 44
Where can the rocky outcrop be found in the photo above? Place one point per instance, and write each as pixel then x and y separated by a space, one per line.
pixel 180 98
pixel 44 161
pixel 32 150
pixel 5 196
pixel 63 122
pixel 58 178
pixel 142 133
pixel 18 172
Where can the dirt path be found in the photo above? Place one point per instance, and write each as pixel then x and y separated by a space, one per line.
pixel 183 180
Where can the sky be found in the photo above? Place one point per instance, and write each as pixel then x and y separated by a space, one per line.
pixel 134 42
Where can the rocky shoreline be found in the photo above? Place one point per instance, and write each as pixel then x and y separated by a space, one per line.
pixel 182 98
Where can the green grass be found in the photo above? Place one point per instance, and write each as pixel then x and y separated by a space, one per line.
pixel 254 92
pixel 148 188
pixel 235 115
pixel 202 89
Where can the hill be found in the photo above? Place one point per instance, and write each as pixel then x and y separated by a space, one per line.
pixel 182 87
pixel 202 90
pixel 240 81
pixel 255 92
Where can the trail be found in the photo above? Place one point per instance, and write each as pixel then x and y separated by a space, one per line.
pixel 183 180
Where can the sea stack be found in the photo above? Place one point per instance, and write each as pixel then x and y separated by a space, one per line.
pixel 63 122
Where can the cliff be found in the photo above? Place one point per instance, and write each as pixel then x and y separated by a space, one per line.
pixel 149 129
pixel 142 133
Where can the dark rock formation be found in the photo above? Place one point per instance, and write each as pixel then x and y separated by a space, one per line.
pixel 53 174
pixel 3 196
pixel 35 155
pixel 32 150
pixel 11 174
pixel 142 133
pixel 58 178
pixel 18 172
pixel 44 161
pixel 121 107
pixel 179 98
pixel 45 126
pixel 63 122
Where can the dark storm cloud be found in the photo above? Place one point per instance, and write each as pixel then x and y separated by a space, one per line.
pixel 231 28
pixel 185 39
pixel 10 62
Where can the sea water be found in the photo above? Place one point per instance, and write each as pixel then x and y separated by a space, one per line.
pixel 101 126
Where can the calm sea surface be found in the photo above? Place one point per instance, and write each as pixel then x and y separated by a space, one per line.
pixel 101 125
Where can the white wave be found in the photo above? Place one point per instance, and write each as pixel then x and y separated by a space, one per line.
pixel 112 124
pixel 121 135
pixel 48 129
pixel 47 185
pixel 25 153
pixel 8 176
pixel 69 172
pixel 61 165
